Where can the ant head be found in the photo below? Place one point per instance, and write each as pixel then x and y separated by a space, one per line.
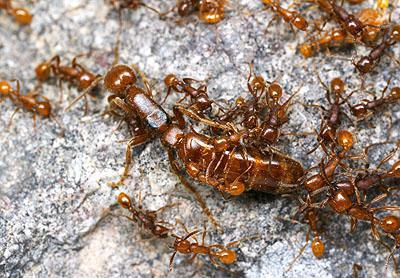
pixel 395 34
pixel 395 93
pixel 185 7
pixel 300 22
pixel 43 71
pixel 390 224
pixel 5 88
pixel 258 83
pixel 240 102
pixel 306 50
pixel 124 200
pixel 317 247
pixel 22 16
pixel 236 188
pixel 43 108
pixel 170 80
pixel 275 91
pixel 211 12
pixel 119 78
pixel 337 86
pixel 86 79
pixel 339 35
pixel 226 256
pixel 182 245
pixel 364 65
pixel 345 139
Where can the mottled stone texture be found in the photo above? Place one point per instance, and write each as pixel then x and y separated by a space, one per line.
pixel 58 217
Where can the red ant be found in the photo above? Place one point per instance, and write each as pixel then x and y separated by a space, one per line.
pixel 30 101
pixel 294 18
pixel 199 99
pixel 147 219
pixel 367 63
pixel 132 5
pixel 75 74
pixel 215 252
pixel 350 22
pixel 332 119
pixel 21 15
pixel 365 107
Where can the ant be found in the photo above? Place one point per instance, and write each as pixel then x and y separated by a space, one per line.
pixel 199 99
pixel 335 36
pixel 365 107
pixel 350 22
pixel 210 11
pixel 314 183
pixel 31 101
pixel 367 63
pixel 75 74
pixel 294 18
pixel 132 5
pixel 21 15
pixel 147 219
pixel 216 252
pixel 338 37
pixel 333 115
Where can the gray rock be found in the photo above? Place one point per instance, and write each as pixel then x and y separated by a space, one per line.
pixel 58 216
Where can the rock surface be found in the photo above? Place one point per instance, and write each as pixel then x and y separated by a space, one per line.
pixel 58 217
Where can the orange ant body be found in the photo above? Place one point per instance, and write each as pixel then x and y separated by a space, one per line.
pixel 215 252
pixel 293 17
pixel 147 219
pixel 29 101
pixel 21 15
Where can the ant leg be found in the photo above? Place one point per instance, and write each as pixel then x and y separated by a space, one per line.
pixel 86 91
pixel 302 249
pixel 162 209
pixel 198 118
pixel 11 118
pixel 171 260
pixel 177 170
pixel 135 141
pixel 34 120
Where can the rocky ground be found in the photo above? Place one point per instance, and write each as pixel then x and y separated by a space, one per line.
pixel 58 216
